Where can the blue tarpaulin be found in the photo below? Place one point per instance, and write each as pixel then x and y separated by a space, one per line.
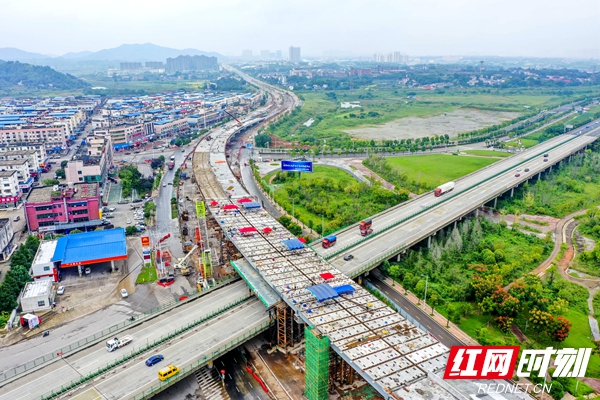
pixel 344 289
pixel 250 205
pixel 121 146
pixel 323 292
pixel 293 244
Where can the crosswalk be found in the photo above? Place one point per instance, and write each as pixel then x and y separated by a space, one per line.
pixel 163 295
pixel 211 387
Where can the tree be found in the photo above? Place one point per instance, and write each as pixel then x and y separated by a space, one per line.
pixel 50 182
pixel 559 328
pixel 394 272
pixel 60 173
pixel 130 230
pixel 64 163
pixel 262 140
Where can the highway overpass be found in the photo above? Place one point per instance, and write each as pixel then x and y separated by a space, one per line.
pixel 402 226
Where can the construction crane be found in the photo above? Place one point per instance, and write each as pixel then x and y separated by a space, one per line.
pixel 236 120
pixel 182 263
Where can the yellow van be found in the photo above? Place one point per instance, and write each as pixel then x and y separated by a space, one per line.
pixel 167 372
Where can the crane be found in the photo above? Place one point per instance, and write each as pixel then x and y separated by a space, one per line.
pixel 236 120
pixel 182 262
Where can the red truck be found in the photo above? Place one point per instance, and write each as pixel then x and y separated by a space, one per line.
pixel 171 164
pixel 365 227
pixel 329 241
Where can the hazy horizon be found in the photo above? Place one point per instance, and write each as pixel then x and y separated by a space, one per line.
pixel 508 28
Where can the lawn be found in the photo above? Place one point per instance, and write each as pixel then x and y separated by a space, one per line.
pixel 147 275
pixel 524 142
pixel 435 169
pixel 488 153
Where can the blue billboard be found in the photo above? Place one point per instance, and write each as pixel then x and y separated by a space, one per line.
pixel 299 166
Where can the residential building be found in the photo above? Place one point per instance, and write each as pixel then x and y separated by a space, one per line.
pixel 6 237
pixel 32 156
pixel 247 54
pixel 11 192
pixel 94 165
pixel 265 55
pixel 278 55
pixel 53 138
pixel 62 207
pixel 294 55
pixel 22 167
pixel 155 64
pixel 191 63
pixel 167 127
pixel 130 65
pixel 37 296
pixel 43 268
pixel 124 135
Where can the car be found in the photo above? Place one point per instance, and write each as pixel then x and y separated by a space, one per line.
pixel 518 169
pixel 154 359
pixel 123 160
pixel 112 209
pixel 140 228
pixel 61 290
pixel 545 160
pixel 104 209
pixel 16 218
pixel 526 169
pixel 136 152
pixel 149 199
pixel 164 185
pixel 348 257
pixel 546 155
pixel 141 223
pixel 183 150
pixel 170 183
pixel 127 153
pixel 109 226
pixel 128 220
pixel 137 201
pixel 109 216
pixel 124 293
pixel 88 271
pixel 517 175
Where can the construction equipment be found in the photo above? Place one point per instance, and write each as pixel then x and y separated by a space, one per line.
pixel 182 263
pixel 236 120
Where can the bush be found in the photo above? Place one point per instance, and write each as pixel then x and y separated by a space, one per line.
pixel 130 230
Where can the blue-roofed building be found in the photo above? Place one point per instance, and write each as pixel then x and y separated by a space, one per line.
pixel 87 249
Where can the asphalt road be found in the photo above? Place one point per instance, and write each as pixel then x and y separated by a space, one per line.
pixel 433 327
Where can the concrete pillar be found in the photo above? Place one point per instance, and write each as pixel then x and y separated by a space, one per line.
pixel 539 176
pixel 80 270
pixel 112 266
pixel 455 223
pixel 398 257
pixel 570 157
pixel 495 202
pixel 429 242
pixel 512 192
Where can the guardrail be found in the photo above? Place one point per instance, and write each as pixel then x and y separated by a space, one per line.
pixel 436 204
pixel 134 353
pixel 200 363
pixel 110 331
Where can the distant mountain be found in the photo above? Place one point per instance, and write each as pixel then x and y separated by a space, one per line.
pixel 12 54
pixel 80 54
pixel 145 52
pixel 34 76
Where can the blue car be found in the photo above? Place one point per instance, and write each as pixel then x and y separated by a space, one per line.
pixel 154 359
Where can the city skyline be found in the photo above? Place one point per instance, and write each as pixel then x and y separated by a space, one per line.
pixel 463 27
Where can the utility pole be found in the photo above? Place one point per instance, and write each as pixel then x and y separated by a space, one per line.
pixel 425 299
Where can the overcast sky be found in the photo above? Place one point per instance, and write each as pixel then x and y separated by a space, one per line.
pixel 547 28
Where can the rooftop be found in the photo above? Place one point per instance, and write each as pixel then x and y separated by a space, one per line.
pixel 91 247
pixel 7 174
pixel 79 191
pixel 37 288
pixel 45 252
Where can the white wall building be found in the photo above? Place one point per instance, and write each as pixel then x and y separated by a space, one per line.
pixel 6 236
pixel 42 267
pixel 37 296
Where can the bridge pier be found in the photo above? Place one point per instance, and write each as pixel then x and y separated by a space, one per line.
pixel 539 176
pixel 512 192
pixel 429 242
pixel 495 202
pixel 455 224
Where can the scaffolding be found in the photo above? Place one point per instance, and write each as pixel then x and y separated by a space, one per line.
pixel 317 365
pixel 340 372
pixel 285 327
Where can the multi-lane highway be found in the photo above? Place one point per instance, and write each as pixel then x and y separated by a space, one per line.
pixel 61 372
pixel 411 222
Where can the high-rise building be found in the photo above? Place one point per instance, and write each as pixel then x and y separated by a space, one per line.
pixel 265 55
pixel 295 54
pixel 247 54
pixel 191 63
pixel 155 64
pixel 131 65
pixel 278 55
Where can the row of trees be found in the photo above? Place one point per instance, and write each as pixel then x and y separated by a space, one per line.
pixel 131 179
pixel 18 274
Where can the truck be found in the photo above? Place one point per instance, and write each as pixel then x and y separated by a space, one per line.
pixel 365 232
pixel 171 164
pixel 445 188
pixel 365 224
pixel 329 241
pixel 116 343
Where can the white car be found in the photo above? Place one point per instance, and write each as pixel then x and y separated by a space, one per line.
pixel 61 290
pixel 164 185
pixel 124 293
pixel 128 220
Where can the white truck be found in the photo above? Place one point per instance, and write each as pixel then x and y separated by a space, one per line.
pixel 445 188
pixel 116 343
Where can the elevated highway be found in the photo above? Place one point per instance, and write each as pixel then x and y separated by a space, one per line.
pixel 407 224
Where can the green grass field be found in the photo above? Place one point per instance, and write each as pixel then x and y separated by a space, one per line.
pixel 435 169
pixel 529 142
pixel 488 153
pixel 147 275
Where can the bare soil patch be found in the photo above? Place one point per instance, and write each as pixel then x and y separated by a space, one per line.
pixel 450 123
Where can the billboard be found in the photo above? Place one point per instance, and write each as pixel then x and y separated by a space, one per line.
pixel 200 210
pixel 299 166
pixel 145 241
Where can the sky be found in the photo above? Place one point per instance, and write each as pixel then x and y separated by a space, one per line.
pixel 529 28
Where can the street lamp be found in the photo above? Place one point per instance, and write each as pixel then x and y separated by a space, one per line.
pixel 425 297
pixel 293 208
